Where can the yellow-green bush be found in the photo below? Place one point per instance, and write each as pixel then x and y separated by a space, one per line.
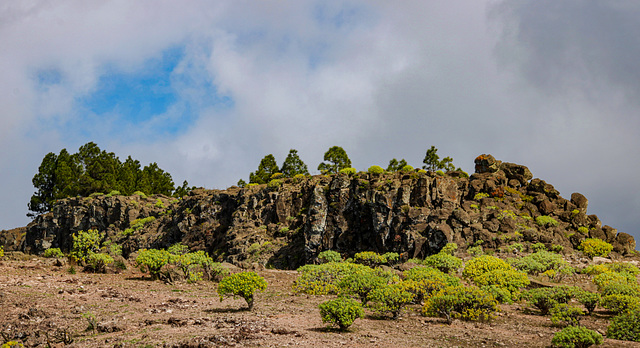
pixel 619 303
pixel 460 302
pixel 12 344
pixel 625 326
pixel 363 281
pixel 98 262
pixel 244 284
pixel 546 298
pixel 563 314
pixel 349 171
pixel 85 244
pixel 546 221
pixel 341 311
pixel 443 261
pixel 370 258
pixel 588 299
pixel 611 280
pixel 423 281
pixel 508 279
pixel 323 279
pixel 1 251
pixel 375 170
pixel 329 256
pixel 390 298
pixel 617 267
pixel 152 260
pixel 482 264
pixel 576 337
pixel 595 247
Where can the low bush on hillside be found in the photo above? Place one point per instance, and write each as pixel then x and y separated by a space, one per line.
pixel 390 298
pixel 349 171
pixel 373 259
pixel 618 303
pixel 460 302
pixel 341 311
pixel 546 298
pixel 563 314
pixel 443 261
pixel 588 299
pixel 152 261
pixel 616 267
pixel 625 326
pixel 576 337
pixel 53 253
pixel 244 284
pixel 595 247
pixel 375 170
pixel 323 279
pixel 424 281
pixel 329 256
pixel 538 262
pixel 98 262
pixel 509 279
pixel 363 281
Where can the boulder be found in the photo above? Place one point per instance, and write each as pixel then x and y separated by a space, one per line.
pixel 486 164
pixel 580 201
pixel 516 172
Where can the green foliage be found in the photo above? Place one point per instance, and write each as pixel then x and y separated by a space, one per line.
pixel 619 303
pixel 241 183
pixel 53 253
pixel 611 280
pixel 576 337
pixel 159 204
pixel 427 281
pixel 391 258
pixel 617 267
pixel 342 311
pixel 375 170
pixel 349 171
pixel 323 279
pixel 12 344
pixel 390 298
pixel 293 165
pixel 407 169
pixel 546 298
pixel 98 262
pixel 329 256
pixel 432 161
pixel 362 282
pixel 501 295
pixel 395 165
pixel 244 284
pixel 449 248
pixel 508 279
pixel 274 184
pixel 480 195
pixel 563 314
pixel 137 224
pixel 152 260
pixel 583 230
pixel 1 251
pixel 370 258
pixel 625 326
pixel 483 264
pixel 588 299
pixel 460 302
pixel 546 221
pixel 141 194
pixel 335 159
pixel 539 262
pixel 595 247
pixel 443 261
pixel 178 249
pixel 538 247
pixel 85 244
pixel 266 168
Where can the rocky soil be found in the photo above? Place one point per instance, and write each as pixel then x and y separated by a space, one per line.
pixel 43 304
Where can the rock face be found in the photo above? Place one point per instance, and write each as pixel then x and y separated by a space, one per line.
pixel 414 214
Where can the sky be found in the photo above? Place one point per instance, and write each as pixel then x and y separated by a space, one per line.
pixel 208 88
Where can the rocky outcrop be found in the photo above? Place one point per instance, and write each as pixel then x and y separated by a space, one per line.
pixel 414 214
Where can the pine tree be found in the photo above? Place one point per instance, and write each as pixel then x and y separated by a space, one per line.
pixel 337 160
pixel 395 165
pixel 266 168
pixel 293 165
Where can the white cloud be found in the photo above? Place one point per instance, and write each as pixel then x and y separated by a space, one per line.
pixel 380 79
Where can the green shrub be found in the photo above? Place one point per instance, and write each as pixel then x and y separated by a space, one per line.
pixel 611 280
pixel 508 279
pixel 276 176
pixel 244 284
pixel 625 326
pixel 406 169
pixel 274 184
pixel 466 303
pixel 595 247
pixel 98 262
pixel 445 262
pixel 546 221
pixel 563 314
pixel 449 248
pixel 390 298
pixel 475 250
pixel 362 282
pixel 341 311
pixel 159 204
pixel 576 337
pixel 583 230
pixel 12 344
pixel 588 299
pixel 375 170
pixel 85 244
pixel 139 223
pixel 194 264
pixel 369 258
pixel 619 303
pixel 349 171
pixel 1 251
pixel 329 256
pixel 483 264
pixel 391 258
pixel 545 298
pixel 53 253
pixel 538 247
pixel 152 260
pixel 141 194
pixel 113 193
pixel 617 267
pixel 501 295
pixel 480 195
pixel 323 279
pixel 426 281
pixel 539 262
pixel 178 249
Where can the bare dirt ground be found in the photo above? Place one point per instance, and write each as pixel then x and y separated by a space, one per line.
pixel 42 304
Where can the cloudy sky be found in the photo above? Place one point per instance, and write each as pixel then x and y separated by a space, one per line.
pixel 207 88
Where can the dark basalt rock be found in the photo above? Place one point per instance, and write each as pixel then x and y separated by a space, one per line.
pixel 414 214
